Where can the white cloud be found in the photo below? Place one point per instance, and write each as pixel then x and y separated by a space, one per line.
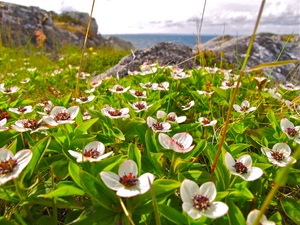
pixel 177 16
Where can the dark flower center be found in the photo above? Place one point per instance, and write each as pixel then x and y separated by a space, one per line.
pixel 84 99
pixel 158 126
pixel 291 131
pixel 32 124
pixel 140 105
pixel 148 85
pixel 171 118
pixel 187 105
pixel 277 155
pixel 7 90
pixel 206 121
pixel 62 116
pixel 179 144
pixel 22 109
pixel 115 112
pixel 92 153
pixel 240 168
pixel 200 202
pixel 119 88
pixel 128 180
pixel 138 93
pixel 8 166
pixel 244 108
pixel 229 83
pixel 4 115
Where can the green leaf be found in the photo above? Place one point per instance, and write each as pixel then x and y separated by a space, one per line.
pixel 291 209
pixel 172 214
pixel 272 119
pixel 235 216
pixel 277 218
pixel 195 175
pixel 65 188
pixel 98 191
pixel 37 155
pixel 83 127
pixel 135 154
pixel 6 222
pixel 96 215
pixel 237 148
pixel 117 133
pixel 74 172
pixel 240 192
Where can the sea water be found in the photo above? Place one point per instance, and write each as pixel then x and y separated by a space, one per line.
pixel 142 41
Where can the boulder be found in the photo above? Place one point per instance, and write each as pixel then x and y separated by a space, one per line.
pixel 161 53
pixel 266 48
pixel 21 25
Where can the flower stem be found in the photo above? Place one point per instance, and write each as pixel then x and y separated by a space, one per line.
pixel 233 181
pixel 235 91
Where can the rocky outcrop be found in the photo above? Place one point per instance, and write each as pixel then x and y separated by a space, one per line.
pixel 161 53
pixel 266 48
pixel 21 25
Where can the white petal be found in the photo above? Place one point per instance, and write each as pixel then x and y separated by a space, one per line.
pixel 252 174
pixel 208 190
pixel 183 138
pixel 164 140
pixel 181 119
pixel 237 107
pixel 5 154
pixel 283 147
pixel 95 145
pixel 230 162
pixel 128 192
pixel 73 111
pixel 246 160
pixel 128 166
pixel 161 114
pixel 215 210
pixel 190 210
pixel 76 155
pixel 111 180
pixel 143 184
pixel 188 189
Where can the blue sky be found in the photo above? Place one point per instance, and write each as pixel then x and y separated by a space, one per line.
pixel 233 17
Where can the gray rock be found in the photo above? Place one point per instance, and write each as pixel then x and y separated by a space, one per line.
pixel 20 25
pixel 162 53
pixel 266 48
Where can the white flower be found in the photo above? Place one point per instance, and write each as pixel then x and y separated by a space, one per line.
pixel 205 92
pixel 242 167
pixel 140 106
pixel 12 165
pixel 226 84
pixel 2 123
pixel 254 214
pixel 292 105
pixel 149 85
pixel 90 90
pixel 93 152
pixel 164 86
pixel 279 155
pixel 8 90
pixel 171 117
pixel 119 89
pixel 126 182
pixel 244 108
pixel 178 73
pixel 115 113
pixel 274 94
pixel 24 125
pixel 199 201
pixel 157 126
pixel 61 115
pixel 180 142
pixel 21 110
pixel 95 82
pixel 25 81
pixel 206 122
pixel 86 116
pixel 290 87
pixel 138 94
pixel 293 132
pixel 83 100
pixel 188 106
